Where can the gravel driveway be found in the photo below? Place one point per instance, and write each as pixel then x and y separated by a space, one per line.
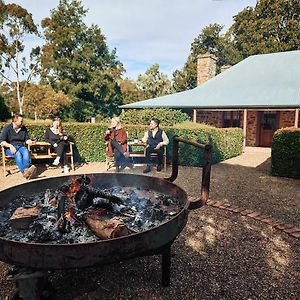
pixel 219 254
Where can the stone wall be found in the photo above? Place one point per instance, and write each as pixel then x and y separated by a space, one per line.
pixel 287 119
pixel 251 128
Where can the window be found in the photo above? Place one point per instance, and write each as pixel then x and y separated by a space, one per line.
pixel 231 119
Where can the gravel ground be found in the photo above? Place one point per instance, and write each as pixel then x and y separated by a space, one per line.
pixel 219 254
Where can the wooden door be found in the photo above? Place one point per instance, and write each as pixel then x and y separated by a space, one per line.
pixel 267 126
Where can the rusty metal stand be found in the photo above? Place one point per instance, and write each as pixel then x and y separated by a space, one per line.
pixel 31 284
pixel 166 265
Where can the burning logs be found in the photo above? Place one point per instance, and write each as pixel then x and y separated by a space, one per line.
pixel 78 212
pixel 107 229
pixel 23 216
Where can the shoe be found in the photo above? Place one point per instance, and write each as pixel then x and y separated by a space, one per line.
pixel 31 171
pixel 129 165
pixel 159 167
pixel 56 161
pixel 66 170
pixel 117 169
pixel 25 173
pixel 147 170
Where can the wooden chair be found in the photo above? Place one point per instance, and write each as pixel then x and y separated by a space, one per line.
pixel 4 159
pixel 142 153
pixel 46 154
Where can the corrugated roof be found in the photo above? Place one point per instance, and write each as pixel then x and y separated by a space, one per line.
pixel 259 81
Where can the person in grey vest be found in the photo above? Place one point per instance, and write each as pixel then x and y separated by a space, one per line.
pixel 155 138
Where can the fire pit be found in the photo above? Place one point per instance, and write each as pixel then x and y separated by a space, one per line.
pixel 157 240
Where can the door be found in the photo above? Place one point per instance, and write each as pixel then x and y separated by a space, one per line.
pixel 268 125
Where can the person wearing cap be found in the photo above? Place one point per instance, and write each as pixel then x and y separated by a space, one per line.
pixel 155 138
pixel 14 138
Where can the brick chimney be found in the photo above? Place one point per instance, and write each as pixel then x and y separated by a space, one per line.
pixel 225 67
pixel 206 67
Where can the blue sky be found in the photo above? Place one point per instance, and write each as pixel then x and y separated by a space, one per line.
pixel 145 32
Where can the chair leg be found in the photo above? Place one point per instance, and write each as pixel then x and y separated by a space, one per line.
pixel 3 162
pixel 72 163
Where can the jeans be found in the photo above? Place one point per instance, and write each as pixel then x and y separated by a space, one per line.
pixel 21 157
pixel 159 152
pixel 120 159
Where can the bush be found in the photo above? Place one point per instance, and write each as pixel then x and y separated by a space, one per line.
pixel 4 112
pixel 285 154
pixel 167 117
pixel 90 145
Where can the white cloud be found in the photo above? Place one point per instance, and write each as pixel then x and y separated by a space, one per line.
pixel 146 32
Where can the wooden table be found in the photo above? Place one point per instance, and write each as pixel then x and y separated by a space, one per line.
pixel 42 150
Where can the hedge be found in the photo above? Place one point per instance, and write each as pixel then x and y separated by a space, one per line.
pixel 285 155
pixel 90 144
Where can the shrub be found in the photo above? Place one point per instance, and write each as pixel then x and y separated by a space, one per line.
pixel 4 112
pixel 167 117
pixel 285 155
pixel 90 145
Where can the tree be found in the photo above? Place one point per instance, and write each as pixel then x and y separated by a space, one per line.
pixel 154 83
pixel 16 24
pixel 209 40
pixel 131 93
pixel 43 101
pixel 271 26
pixel 4 112
pixel 76 60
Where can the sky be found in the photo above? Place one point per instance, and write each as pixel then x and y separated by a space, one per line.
pixel 147 32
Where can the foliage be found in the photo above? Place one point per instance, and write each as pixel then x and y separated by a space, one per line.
pixel 271 26
pixel 43 101
pixel 286 153
pixel 4 112
pixel 131 93
pixel 16 23
pixel 209 40
pixel 76 60
pixel 154 83
pixel 90 144
pixel 167 116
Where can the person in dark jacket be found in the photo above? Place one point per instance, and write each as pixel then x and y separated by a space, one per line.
pixel 116 138
pixel 155 138
pixel 14 138
pixel 57 137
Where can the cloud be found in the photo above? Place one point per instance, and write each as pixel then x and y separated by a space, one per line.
pixel 146 32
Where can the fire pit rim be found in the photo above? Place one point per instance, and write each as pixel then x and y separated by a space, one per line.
pixel 182 209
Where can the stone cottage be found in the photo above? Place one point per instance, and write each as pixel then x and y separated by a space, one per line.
pixel 260 94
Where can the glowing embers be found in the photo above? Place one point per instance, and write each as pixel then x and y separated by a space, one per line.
pixel 79 213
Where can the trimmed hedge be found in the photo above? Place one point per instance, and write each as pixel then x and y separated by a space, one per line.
pixel 90 144
pixel 285 154
pixel 167 116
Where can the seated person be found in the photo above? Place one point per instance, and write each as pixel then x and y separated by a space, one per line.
pixel 58 139
pixel 13 138
pixel 116 137
pixel 155 138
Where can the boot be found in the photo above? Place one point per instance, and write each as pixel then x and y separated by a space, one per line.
pixel 159 167
pixel 56 161
pixel 66 169
pixel 148 169
pixel 31 171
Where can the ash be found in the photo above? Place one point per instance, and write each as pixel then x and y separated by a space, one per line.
pixel 138 209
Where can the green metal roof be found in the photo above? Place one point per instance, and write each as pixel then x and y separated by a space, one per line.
pixel 259 81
